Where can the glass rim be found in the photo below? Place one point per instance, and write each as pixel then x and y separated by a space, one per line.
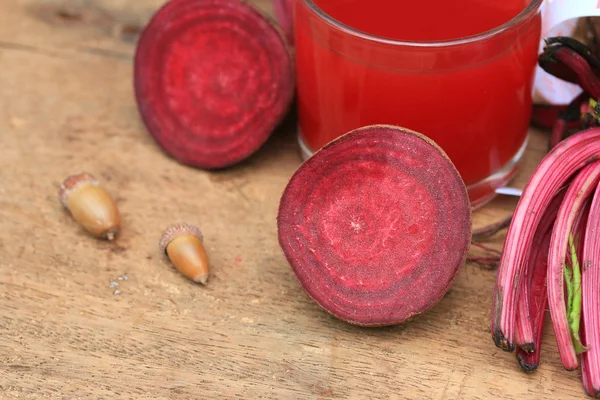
pixel 531 9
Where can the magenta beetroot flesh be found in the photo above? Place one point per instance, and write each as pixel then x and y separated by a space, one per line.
pixel 376 225
pixel 213 78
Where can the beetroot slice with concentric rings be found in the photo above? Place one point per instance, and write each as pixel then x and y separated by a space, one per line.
pixel 375 225
pixel 213 79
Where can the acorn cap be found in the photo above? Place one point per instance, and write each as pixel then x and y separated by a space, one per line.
pixel 176 230
pixel 74 182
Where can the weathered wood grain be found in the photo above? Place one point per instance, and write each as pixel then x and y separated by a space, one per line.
pixel 66 105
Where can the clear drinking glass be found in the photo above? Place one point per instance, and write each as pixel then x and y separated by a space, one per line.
pixel 472 96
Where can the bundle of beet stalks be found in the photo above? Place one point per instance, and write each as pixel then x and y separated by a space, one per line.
pixel 551 256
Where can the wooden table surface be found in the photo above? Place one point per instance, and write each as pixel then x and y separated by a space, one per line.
pixel 66 105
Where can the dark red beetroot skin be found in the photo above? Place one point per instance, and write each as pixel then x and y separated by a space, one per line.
pixel 213 78
pixel 376 225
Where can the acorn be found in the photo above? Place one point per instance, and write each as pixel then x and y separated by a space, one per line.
pixel 90 205
pixel 183 245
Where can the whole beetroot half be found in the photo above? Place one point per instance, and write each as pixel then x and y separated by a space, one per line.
pixel 376 225
pixel 213 79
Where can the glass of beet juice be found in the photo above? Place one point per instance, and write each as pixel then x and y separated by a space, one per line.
pixel 458 71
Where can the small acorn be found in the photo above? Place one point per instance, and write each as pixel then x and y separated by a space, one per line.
pixel 90 205
pixel 182 243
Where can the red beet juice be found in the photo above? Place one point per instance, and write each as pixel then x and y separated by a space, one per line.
pixel 459 71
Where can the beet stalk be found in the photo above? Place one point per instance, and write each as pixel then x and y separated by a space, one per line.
pixel 578 47
pixel 544 115
pixel 581 187
pixel 213 79
pixel 485 232
pixel 586 373
pixel 572 61
pixel 538 300
pixel 568 120
pixel 533 298
pixel 375 225
pixel 555 168
pixel 529 360
pixel 590 360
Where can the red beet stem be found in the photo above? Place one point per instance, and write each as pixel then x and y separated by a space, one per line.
pixel 591 299
pixel 487 248
pixel 559 131
pixel 488 231
pixel 284 12
pixel 375 225
pixel 580 48
pixel 585 76
pixel 572 61
pixel 579 226
pixel 569 119
pixel 585 375
pixel 544 115
pixel 582 186
pixel 555 168
pixel 213 79
pixel 490 261
pixel 533 298
pixel 529 360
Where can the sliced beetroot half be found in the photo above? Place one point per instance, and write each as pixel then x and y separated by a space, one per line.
pixel 213 78
pixel 376 225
